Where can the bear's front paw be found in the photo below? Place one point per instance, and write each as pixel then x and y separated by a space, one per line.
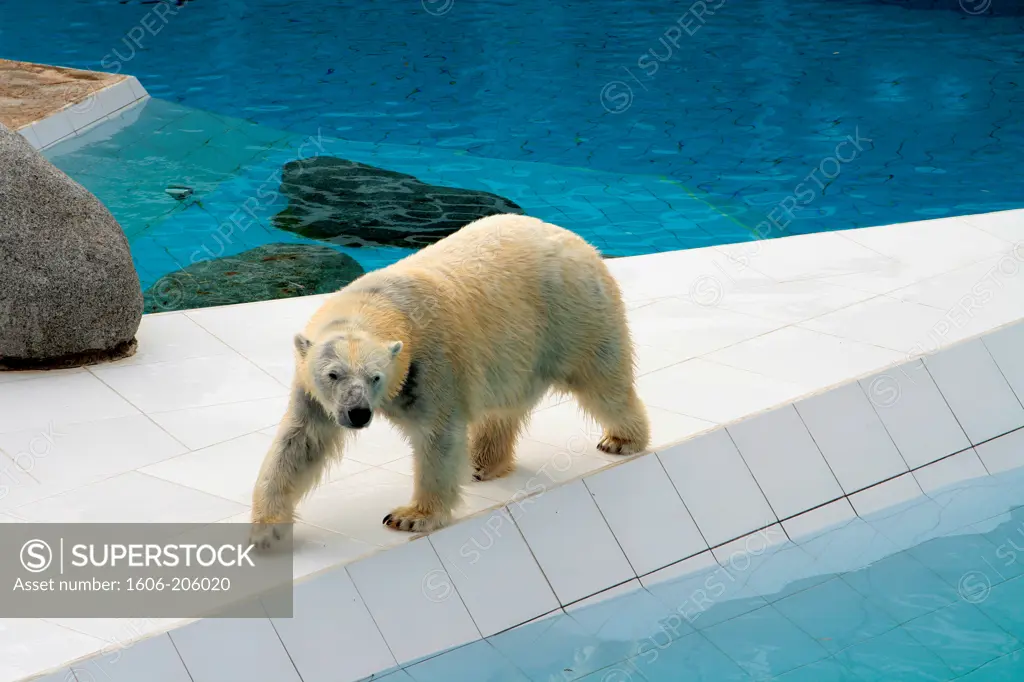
pixel 267 536
pixel 413 519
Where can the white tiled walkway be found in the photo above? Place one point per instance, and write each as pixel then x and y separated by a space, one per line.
pixel 177 432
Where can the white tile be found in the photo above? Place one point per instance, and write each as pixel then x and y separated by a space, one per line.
pixel 713 392
pixel 701 592
pixel 539 466
pixel 1004 345
pixel 331 636
pixel 29 133
pixel 852 438
pixel 154 660
pixel 717 488
pixel 623 614
pixel 805 357
pixel 950 241
pixel 695 565
pixel 28 645
pixel 130 497
pixel 315 549
pixel 567 427
pixel 266 327
pixel 646 514
pixel 886 322
pixel 8 376
pixel 219 649
pixel 137 89
pixel 413 601
pixel 949 472
pixel 792 302
pixel 73 455
pixel 118 632
pixel 86 112
pixel 571 541
pixel 164 338
pixel 230 469
pixel 649 359
pixel 17 487
pixel 407 467
pixel 785 461
pixel 62 675
pixel 197 382
pixel 64 399
pixel 975 389
pixel 53 128
pixel 199 427
pixel 710 275
pixel 811 256
pixel 689 330
pixel 1003 453
pixel 730 555
pixel 377 445
pixel 964 292
pixel 116 97
pixel 1007 225
pixel 888 278
pixel 355 505
pixel 494 572
pixel 886 495
pixel 915 414
pixel 669 428
pixel 818 521
pixel 604 597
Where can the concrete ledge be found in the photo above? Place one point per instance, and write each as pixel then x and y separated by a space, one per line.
pixel 50 104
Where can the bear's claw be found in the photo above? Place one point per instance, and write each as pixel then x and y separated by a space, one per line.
pixel 265 537
pixel 614 445
pixel 412 520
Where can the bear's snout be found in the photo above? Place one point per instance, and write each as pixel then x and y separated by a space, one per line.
pixel 358 417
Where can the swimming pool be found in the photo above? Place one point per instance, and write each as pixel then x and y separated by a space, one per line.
pixel 643 127
pixel 932 590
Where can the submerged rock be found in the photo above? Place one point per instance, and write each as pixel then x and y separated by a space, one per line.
pixel 352 204
pixel 260 274
pixel 69 293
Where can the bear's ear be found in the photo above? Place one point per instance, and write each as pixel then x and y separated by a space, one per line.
pixel 395 347
pixel 302 344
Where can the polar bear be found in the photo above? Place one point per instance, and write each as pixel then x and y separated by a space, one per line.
pixel 455 345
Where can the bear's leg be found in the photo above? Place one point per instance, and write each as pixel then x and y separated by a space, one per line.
pixel 608 395
pixel 493 445
pixel 302 447
pixel 439 459
pixel 623 417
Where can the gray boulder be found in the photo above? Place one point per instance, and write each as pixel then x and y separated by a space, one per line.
pixel 261 274
pixel 69 293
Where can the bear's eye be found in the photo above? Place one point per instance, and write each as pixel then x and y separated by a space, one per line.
pixel 375 379
pixel 333 376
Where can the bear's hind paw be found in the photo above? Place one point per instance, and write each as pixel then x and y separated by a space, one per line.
pixel 490 473
pixel 414 520
pixel 614 445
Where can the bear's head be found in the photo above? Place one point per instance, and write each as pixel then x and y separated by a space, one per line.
pixel 349 374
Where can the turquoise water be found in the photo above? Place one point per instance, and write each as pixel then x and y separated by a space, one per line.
pixel 235 166
pixel 645 125
pixel 931 590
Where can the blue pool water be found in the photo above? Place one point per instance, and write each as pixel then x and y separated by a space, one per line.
pixel 643 125
pixel 932 590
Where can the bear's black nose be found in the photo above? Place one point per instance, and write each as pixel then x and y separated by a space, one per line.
pixel 359 417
